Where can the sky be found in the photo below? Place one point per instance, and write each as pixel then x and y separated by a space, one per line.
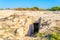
pixel 29 3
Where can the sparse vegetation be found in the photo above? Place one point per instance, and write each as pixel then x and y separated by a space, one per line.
pixel 55 8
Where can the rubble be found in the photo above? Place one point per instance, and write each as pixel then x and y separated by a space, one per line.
pixel 15 27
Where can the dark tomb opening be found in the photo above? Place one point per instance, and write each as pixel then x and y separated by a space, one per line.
pixel 36 27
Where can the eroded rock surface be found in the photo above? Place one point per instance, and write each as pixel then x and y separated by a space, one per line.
pixel 15 26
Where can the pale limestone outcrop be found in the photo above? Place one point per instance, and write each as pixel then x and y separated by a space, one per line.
pixel 16 23
pixel 16 26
